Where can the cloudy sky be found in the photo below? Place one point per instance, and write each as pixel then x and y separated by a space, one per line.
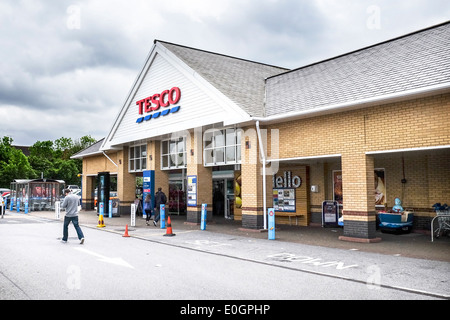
pixel 66 66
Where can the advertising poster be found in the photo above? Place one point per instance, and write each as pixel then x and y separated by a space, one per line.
pixel 284 200
pixel 380 188
pixel 379 183
pixel 330 213
pixel 148 186
pixel 337 187
pixel 192 191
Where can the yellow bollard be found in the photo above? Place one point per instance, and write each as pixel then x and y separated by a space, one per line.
pixel 101 223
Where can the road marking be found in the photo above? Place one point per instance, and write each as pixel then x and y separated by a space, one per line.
pixel 116 261
pixel 207 243
pixel 289 257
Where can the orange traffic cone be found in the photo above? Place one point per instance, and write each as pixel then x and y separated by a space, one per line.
pixel 169 229
pixel 101 223
pixel 126 235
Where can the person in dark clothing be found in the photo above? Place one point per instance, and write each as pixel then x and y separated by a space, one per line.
pixel 148 207
pixel 160 198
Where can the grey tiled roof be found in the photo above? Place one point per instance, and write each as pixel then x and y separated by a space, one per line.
pixel 91 150
pixel 240 80
pixel 410 62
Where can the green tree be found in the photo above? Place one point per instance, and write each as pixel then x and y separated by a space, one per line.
pixel 53 158
pixel 47 158
pixel 13 164
pixel 41 158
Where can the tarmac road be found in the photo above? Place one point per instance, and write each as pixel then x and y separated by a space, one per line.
pixel 199 265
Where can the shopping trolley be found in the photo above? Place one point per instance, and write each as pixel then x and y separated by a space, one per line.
pixel 443 218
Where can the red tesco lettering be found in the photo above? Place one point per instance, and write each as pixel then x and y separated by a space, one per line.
pixel 156 101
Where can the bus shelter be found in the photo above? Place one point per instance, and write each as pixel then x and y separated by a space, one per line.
pixel 40 194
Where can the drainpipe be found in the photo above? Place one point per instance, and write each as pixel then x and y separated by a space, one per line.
pixel 109 159
pixel 263 156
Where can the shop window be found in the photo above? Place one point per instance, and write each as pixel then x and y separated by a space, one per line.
pixel 137 158
pixel 222 147
pixel 173 154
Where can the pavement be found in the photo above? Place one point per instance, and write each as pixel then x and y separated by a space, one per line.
pixel 412 245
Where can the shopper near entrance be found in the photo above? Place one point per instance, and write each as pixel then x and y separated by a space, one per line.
pixel 70 203
pixel 148 207
pixel 160 198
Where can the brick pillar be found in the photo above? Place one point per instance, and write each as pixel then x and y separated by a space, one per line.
pixel 154 163
pixel 358 198
pixel 195 167
pixel 251 182
pixel 88 183
pixel 126 183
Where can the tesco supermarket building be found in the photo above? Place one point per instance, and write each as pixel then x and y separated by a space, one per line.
pixel 361 129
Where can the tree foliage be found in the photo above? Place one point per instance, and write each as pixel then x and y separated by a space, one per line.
pixel 50 159
pixel 13 163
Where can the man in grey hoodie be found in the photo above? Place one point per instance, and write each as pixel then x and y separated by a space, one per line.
pixel 70 203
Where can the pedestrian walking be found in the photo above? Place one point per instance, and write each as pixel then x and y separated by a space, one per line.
pixel 70 203
pixel 148 207
pixel 160 198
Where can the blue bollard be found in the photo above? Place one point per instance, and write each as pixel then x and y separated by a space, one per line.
pixel 162 216
pixel 204 216
pixel 271 212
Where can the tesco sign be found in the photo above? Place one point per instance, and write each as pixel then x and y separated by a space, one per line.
pixel 157 101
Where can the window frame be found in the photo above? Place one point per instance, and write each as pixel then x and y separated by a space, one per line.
pixel 137 154
pixel 172 150
pixel 216 144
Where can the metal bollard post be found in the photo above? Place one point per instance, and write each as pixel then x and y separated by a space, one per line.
pixel 57 210
pixel 271 212
pixel 133 215
pixel 162 216
pixel 204 216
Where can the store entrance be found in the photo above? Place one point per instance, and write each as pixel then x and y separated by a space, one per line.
pixel 177 197
pixel 223 198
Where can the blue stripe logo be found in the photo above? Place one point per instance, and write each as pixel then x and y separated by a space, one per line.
pixel 158 114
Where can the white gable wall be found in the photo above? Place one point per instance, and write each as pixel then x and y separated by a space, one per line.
pixel 200 103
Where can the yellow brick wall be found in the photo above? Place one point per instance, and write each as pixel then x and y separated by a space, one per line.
pixel 416 123
pixel 410 124
pixel 195 167
pixel 251 177
pixel 161 176
pixel 91 167
pixel 126 182
pixel 96 164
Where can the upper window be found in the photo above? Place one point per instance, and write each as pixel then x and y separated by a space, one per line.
pixel 173 154
pixel 222 147
pixel 137 158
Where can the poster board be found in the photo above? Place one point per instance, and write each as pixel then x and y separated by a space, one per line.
pixel 330 213
pixel 379 186
pixel 192 191
pixel 291 186
pixel 284 200
pixel 148 187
